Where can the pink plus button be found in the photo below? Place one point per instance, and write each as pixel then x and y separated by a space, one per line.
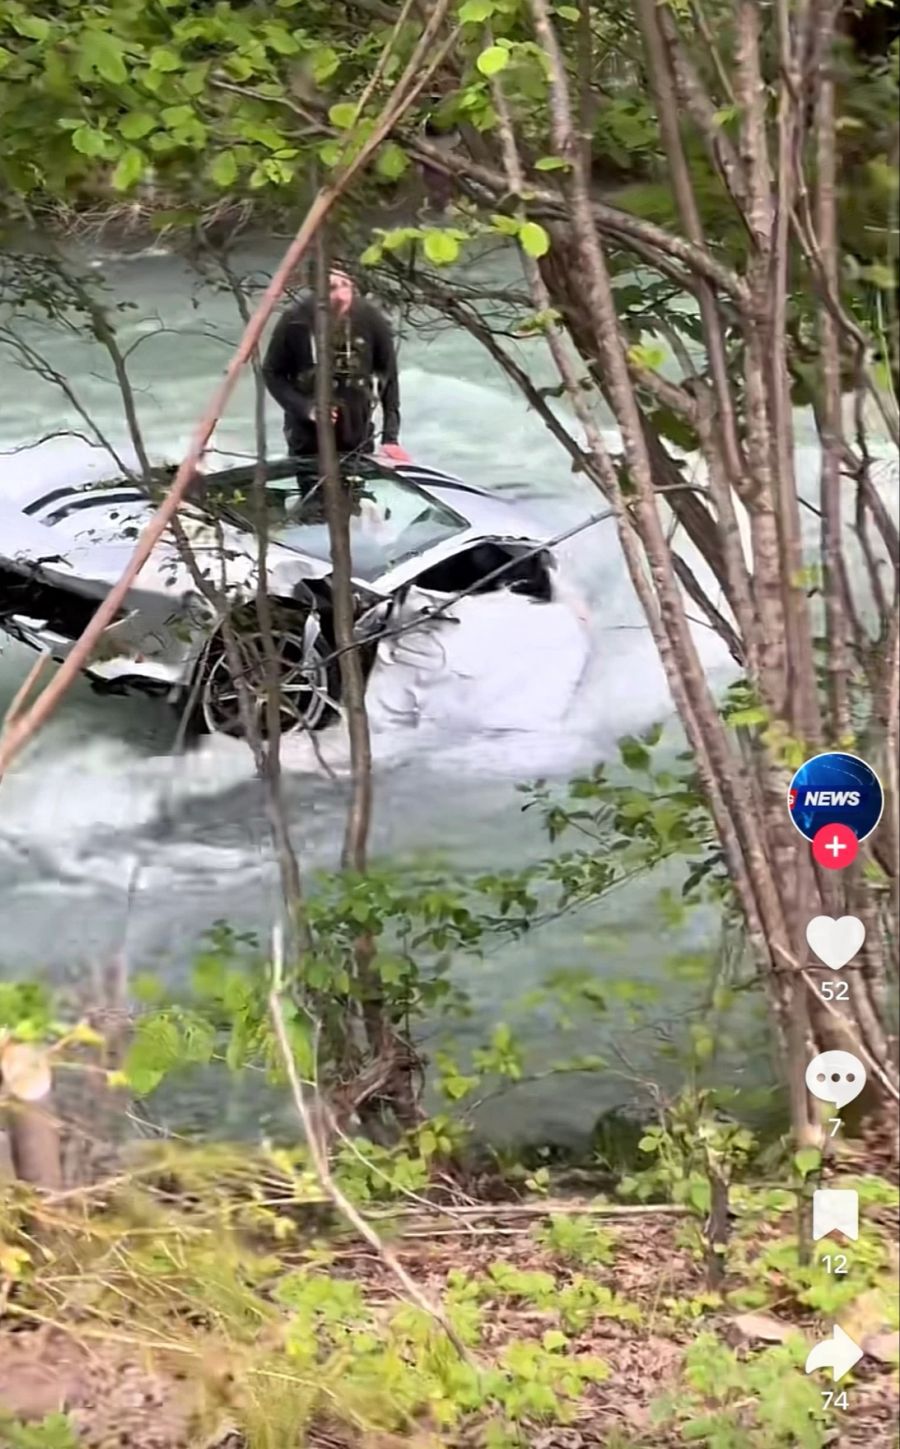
pixel 835 846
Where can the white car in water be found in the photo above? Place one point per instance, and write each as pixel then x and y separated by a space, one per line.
pixel 419 538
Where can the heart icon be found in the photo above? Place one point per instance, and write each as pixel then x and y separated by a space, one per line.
pixel 836 941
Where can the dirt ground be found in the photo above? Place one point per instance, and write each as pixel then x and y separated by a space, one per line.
pixel 118 1399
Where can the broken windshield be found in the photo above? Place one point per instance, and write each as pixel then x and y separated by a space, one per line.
pixel 390 520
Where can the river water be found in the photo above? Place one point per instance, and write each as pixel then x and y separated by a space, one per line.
pixel 108 841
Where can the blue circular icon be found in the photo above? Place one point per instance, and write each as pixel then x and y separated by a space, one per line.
pixel 835 789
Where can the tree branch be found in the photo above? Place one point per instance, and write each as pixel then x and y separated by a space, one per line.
pixel 702 111
pixel 691 585
pixel 649 239
pixel 322 1166
pixel 650 18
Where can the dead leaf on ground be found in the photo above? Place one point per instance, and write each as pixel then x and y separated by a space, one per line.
pixel 761 1327
pixel 883 1346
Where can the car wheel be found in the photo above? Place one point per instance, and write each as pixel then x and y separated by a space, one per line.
pixel 308 676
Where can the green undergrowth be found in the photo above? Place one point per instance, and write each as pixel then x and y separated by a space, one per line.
pixel 234 1274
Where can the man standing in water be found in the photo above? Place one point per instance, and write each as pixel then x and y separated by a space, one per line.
pixel 364 361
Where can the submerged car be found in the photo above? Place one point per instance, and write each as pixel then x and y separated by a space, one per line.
pixel 415 532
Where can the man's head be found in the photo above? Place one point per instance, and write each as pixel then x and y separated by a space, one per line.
pixel 341 292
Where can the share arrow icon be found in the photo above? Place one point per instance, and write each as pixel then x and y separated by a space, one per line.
pixel 839 1353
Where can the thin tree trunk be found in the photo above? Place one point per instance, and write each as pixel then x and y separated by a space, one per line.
pixel 804 713
pixel 831 431
pixel 338 504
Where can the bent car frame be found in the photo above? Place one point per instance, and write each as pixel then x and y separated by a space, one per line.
pixel 65 540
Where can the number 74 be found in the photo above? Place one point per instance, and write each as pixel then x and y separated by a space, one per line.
pixel 832 1400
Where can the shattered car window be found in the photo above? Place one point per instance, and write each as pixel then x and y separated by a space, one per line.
pixel 390 520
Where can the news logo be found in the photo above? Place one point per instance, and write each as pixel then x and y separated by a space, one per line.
pixel 835 789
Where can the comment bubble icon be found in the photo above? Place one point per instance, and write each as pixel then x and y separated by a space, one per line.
pixel 836 1077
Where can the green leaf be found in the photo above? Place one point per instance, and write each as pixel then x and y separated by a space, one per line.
pixel 534 239
pixel 699 1194
pixel 372 255
pixel 136 125
pixel 32 27
pixel 224 169
pixel 553 1340
pixel 175 116
pixel 881 375
pixel 807 1160
pixel 635 755
pixel 493 60
pixel 475 12
pixel 165 60
pixel 669 425
pixel 651 356
pixel 880 275
pixel 506 225
pixel 154 1051
pixel 343 115
pixel 324 63
pixel 440 247
pixel 391 161
pixel 568 12
pixel 129 170
pixel 144 1080
pixel 330 153
pixel 281 40
pixel 102 53
pixel 89 142
pixel 195 80
pixel 147 988
pixel 755 715
pixel 551 163
pixel 263 135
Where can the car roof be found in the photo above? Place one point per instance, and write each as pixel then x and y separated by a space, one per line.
pixel 47 473
pixel 277 468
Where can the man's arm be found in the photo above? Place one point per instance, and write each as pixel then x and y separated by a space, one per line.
pixel 289 355
pixel 384 359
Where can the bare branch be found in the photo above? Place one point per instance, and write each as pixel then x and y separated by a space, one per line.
pixel 650 17
pixel 322 1167
pixel 703 26
pixel 702 111
pixel 48 437
pixel 717 621
pixel 35 362
pixel 105 335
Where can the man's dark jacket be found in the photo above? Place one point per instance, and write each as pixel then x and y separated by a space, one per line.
pixel 363 355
